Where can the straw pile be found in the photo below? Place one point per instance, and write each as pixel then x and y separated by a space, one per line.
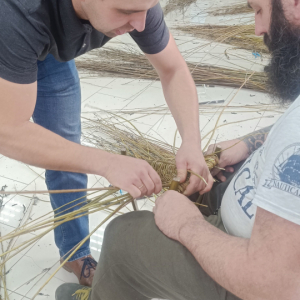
pixel 236 9
pixel 180 5
pixel 239 36
pixel 126 64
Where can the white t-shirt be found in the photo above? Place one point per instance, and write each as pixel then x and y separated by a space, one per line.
pixel 270 178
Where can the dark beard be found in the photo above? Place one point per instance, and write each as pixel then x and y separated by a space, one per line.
pixel 284 69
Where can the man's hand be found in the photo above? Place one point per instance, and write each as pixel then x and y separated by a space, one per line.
pixel 132 175
pixel 233 152
pixel 190 157
pixel 181 95
pixel 173 211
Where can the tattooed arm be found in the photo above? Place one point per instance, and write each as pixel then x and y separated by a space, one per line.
pixel 237 150
pixel 256 139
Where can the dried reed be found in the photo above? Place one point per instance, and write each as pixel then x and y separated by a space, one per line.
pixel 126 64
pixel 239 36
pixel 204 109
pixel 161 156
pixel 180 5
pixel 236 9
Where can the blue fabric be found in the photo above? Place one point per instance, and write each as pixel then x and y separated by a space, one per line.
pixel 58 108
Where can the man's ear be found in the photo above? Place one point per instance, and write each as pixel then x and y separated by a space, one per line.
pixel 292 11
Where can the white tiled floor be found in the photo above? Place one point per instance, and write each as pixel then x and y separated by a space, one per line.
pixel 30 269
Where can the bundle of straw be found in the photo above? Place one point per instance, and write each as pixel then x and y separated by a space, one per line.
pixel 240 36
pixel 134 65
pixel 161 156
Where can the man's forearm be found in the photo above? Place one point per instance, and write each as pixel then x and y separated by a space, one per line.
pixel 34 145
pixel 256 139
pixel 181 96
pixel 227 260
pixel 218 254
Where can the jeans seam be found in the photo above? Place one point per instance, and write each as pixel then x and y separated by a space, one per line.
pixel 63 235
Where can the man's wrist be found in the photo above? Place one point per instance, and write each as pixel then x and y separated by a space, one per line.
pixel 99 161
pixel 192 140
pixel 245 149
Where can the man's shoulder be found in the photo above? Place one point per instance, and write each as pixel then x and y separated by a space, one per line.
pixel 294 108
pixel 17 13
pixel 16 20
pixel 284 137
pixel 290 119
pixel 22 39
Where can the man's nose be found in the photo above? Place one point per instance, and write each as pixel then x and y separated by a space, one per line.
pixel 139 21
pixel 260 28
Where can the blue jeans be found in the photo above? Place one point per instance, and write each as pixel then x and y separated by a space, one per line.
pixel 58 108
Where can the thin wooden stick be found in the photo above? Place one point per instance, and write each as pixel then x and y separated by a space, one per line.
pixel 55 191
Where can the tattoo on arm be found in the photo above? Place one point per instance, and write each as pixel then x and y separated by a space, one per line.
pixel 256 139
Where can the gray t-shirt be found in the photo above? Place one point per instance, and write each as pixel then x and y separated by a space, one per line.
pixel 31 29
pixel 269 179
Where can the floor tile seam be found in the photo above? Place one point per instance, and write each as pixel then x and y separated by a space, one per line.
pixel 34 171
pixel 50 274
pixel 26 186
pixel 106 86
pixel 6 224
pixel 41 275
pixel 92 95
pixel 138 94
pixel 97 181
pixel 16 228
pixel 13 180
pixel 92 84
pixel 27 167
pixel 118 97
pixel 12 292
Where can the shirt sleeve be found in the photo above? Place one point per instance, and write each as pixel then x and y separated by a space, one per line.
pixel 156 35
pixel 18 40
pixel 279 185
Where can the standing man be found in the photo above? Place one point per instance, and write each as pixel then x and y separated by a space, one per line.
pixel 38 41
pixel 250 248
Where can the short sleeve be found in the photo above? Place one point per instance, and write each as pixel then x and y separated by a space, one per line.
pixel 18 41
pixel 156 35
pixel 279 186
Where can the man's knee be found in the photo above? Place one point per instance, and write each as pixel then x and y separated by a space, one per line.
pixel 128 223
pixel 124 233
